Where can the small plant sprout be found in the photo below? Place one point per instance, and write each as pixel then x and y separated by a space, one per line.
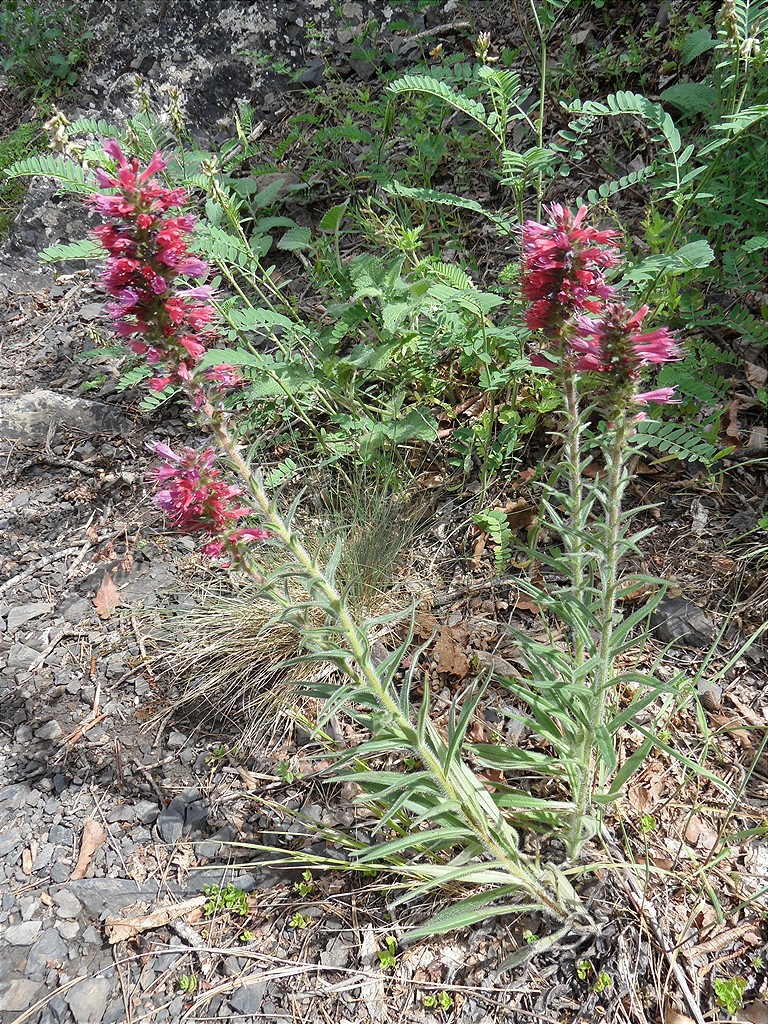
pixel 388 957
pixel 648 824
pixel 729 993
pixel 529 936
pixel 230 899
pixel 188 983
pixel 438 1001
pixel 298 921
pixel 603 982
pixel 247 936
pixel 583 969
pixel 305 886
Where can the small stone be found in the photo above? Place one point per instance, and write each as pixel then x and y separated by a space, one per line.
pixel 19 996
pixel 23 934
pixel 196 817
pixel 248 999
pixel 60 872
pixel 176 739
pixel 88 1000
pixel 122 813
pixel 9 841
pixel 20 656
pixel 50 731
pixel 26 612
pixel 49 947
pixel 170 826
pixel 146 812
pixel 67 929
pixel 68 906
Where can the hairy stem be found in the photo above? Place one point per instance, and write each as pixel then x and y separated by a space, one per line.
pixel 456 780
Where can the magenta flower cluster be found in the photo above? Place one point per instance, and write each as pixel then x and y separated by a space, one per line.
pixel 169 320
pixel 195 499
pixel 564 280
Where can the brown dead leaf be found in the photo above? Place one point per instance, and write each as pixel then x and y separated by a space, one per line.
pixel 732 427
pixel 107 598
pixel 730 724
pixel 754 1013
pixel 450 656
pixel 94 836
pixel 758 437
pixel 673 1017
pixel 756 375
pixel 123 929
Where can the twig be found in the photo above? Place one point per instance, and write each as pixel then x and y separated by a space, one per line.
pixel 39 660
pixel 449 26
pixel 38 565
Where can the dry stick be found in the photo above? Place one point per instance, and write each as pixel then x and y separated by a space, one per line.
pixel 38 565
pixel 642 906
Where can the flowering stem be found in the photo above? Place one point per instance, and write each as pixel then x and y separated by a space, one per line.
pixel 461 786
pixel 616 482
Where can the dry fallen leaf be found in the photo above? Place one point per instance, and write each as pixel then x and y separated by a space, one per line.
pixel 107 597
pixel 756 375
pixel 122 929
pixel 93 837
pixel 673 1017
pixel 450 655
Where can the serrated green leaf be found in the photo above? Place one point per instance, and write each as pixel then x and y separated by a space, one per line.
pixel 295 239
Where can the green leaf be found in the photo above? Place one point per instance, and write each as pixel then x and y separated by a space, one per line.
pixel 692 256
pixel 333 217
pixel 295 239
pixel 696 43
pixel 691 98
pixel 83 250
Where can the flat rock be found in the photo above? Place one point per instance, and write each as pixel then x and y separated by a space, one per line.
pixel 67 904
pixel 23 934
pixel 88 1000
pixel 23 613
pixel 28 417
pixel 112 895
pixel 50 947
pixel 19 995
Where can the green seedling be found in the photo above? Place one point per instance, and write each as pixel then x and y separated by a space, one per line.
pixel 583 969
pixel 729 993
pixel 603 982
pixel 229 899
pixel 305 886
pixel 388 957
pixel 247 936
pixel 438 1001
pixel 298 921
pixel 188 983
pixel 648 824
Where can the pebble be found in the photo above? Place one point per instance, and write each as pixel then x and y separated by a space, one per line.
pixel 88 1000
pixel 68 905
pixel 23 613
pixel 19 995
pixel 23 934
pixel 50 731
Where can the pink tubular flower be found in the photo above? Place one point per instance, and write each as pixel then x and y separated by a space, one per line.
pixel 613 344
pixel 148 255
pixel 664 396
pixel 193 497
pixel 564 268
